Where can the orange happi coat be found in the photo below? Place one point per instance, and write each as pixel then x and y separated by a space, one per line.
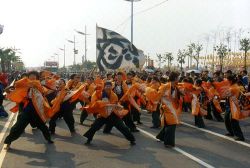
pixel 186 89
pixel 155 85
pixel 99 82
pixel 191 94
pixel 171 105
pixel 72 85
pixel 246 105
pixel 213 96
pixel 152 97
pixel 56 103
pixel 235 109
pixel 26 89
pixel 130 95
pixel 21 89
pixel 87 92
pixel 195 104
pixel 99 106
pixel 222 87
pixel 124 86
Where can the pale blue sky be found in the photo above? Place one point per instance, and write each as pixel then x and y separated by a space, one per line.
pixel 40 27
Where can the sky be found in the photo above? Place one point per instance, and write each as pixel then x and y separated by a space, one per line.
pixel 40 27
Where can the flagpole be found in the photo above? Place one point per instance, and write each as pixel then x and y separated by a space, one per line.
pixel 96 45
pixel 85 43
pixel 74 63
pixel 132 19
pixel 64 56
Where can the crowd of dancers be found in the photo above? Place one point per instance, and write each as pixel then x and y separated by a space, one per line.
pixel 118 100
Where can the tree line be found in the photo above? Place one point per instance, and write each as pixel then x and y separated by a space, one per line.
pixel 193 50
pixel 10 61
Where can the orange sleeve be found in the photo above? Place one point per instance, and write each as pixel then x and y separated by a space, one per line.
pixel 124 87
pixel 69 84
pixel 91 89
pixel 113 98
pixel 234 90
pixel 162 90
pixel 37 85
pixel 21 83
pixel 94 97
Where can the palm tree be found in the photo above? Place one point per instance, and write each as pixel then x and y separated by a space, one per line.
pixel 7 56
pixel 181 55
pixel 197 48
pixel 245 46
pixel 221 52
pixel 10 59
pixel 191 51
pixel 160 59
pixel 3 59
pixel 168 56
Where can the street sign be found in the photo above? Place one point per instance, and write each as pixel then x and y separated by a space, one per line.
pixel 50 64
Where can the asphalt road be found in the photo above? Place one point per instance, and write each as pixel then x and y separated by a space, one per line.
pixel 194 147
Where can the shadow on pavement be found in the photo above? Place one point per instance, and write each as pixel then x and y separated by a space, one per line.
pixel 50 158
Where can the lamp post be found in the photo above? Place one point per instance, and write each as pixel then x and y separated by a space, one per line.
pixel 57 59
pixel 63 49
pixel 132 17
pixel 85 45
pixel 75 51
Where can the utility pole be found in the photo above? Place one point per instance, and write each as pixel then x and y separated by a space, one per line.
pixel 63 49
pixel 75 51
pixel 74 63
pixel 85 45
pixel 132 17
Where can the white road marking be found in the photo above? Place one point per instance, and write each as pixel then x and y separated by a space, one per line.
pixel 3 151
pixel 199 161
pixel 6 126
pixel 216 134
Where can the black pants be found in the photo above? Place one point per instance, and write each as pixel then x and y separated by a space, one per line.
pixel 1 99
pixel 198 121
pixel 156 117
pixel 136 115
pixel 127 120
pixel 3 113
pixel 186 106
pixel 209 111
pixel 66 111
pixel 116 121
pixel 212 112
pixel 167 135
pixel 232 125
pixel 84 115
pixel 28 115
pixel 216 114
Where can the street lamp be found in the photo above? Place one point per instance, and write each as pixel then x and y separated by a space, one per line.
pixel 1 29
pixel 132 17
pixel 85 39
pixel 63 49
pixel 75 51
pixel 57 59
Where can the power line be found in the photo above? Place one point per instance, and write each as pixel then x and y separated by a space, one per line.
pixel 140 12
pixel 152 7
